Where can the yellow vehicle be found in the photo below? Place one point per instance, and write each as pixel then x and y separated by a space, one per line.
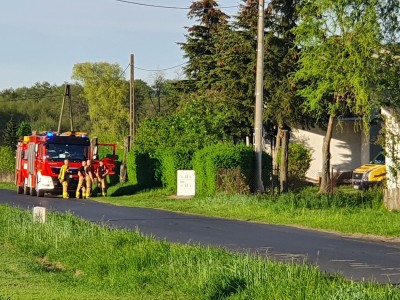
pixel 371 174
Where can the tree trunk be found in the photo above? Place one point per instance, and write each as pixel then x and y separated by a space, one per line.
pixel 275 162
pixel 278 141
pixel 392 149
pixel 284 162
pixel 326 158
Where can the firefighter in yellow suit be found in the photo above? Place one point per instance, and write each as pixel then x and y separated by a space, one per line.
pixel 89 178
pixel 81 182
pixel 64 178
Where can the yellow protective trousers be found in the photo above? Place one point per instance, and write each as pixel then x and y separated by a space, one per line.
pixel 81 186
pixel 103 186
pixel 88 186
pixel 65 189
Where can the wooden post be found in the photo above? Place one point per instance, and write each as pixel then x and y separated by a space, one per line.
pixel 132 103
pixel 284 161
pixel 123 170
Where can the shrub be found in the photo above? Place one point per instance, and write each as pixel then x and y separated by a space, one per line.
pixel 143 170
pixel 171 160
pixel 7 159
pixel 299 161
pixel 207 161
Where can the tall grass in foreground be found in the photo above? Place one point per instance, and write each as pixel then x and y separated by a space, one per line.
pixel 81 259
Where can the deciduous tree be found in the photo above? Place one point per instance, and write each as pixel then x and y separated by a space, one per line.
pixel 107 93
pixel 339 41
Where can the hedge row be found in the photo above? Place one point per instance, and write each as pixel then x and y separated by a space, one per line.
pixel 148 172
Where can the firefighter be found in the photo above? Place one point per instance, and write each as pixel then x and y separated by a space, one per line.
pixel 64 178
pixel 81 182
pixel 89 178
pixel 101 173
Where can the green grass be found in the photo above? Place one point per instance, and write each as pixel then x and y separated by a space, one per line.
pixel 8 186
pixel 68 258
pixel 346 211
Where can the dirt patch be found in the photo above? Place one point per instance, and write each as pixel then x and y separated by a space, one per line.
pixel 394 241
pixel 180 197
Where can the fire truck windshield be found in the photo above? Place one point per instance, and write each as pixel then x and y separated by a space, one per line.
pixel 59 152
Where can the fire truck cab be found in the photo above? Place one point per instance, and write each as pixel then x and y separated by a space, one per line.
pixel 39 158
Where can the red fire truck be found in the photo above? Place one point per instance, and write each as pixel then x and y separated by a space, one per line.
pixel 40 156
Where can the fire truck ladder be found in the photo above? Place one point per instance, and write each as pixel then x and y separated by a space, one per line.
pixel 67 93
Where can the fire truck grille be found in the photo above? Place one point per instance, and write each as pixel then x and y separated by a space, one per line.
pixel 55 170
pixel 72 171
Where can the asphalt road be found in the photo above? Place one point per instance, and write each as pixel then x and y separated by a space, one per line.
pixel 357 259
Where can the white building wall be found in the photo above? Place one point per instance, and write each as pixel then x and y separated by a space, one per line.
pixel 349 148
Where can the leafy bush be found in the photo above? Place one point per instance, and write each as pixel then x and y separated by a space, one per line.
pixel 207 161
pixel 143 170
pixel 171 140
pixel 299 161
pixel 200 120
pixel 172 160
pixel 7 159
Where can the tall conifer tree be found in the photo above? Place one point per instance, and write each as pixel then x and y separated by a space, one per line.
pixel 10 134
pixel 200 42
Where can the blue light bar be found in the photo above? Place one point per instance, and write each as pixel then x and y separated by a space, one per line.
pixel 49 134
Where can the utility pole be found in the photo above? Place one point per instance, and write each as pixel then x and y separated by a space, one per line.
pixel 132 113
pixel 258 113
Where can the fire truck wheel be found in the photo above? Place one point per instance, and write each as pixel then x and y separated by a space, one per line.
pixel 26 190
pixel 20 189
pixel 33 191
pixel 39 193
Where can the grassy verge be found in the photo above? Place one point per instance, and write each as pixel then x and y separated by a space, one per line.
pixel 8 186
pixel 68 258
pixel 346 211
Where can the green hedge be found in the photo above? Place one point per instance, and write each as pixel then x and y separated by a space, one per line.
pixel 207 161
pixel 172 160
pixel 143 170
pixel 7 159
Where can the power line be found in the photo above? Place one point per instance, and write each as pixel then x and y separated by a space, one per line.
pixel 116 80
pixel 123 72
pixel 167 7
pixel 158 70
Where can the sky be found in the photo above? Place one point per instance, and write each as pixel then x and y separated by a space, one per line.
pixel 41 40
